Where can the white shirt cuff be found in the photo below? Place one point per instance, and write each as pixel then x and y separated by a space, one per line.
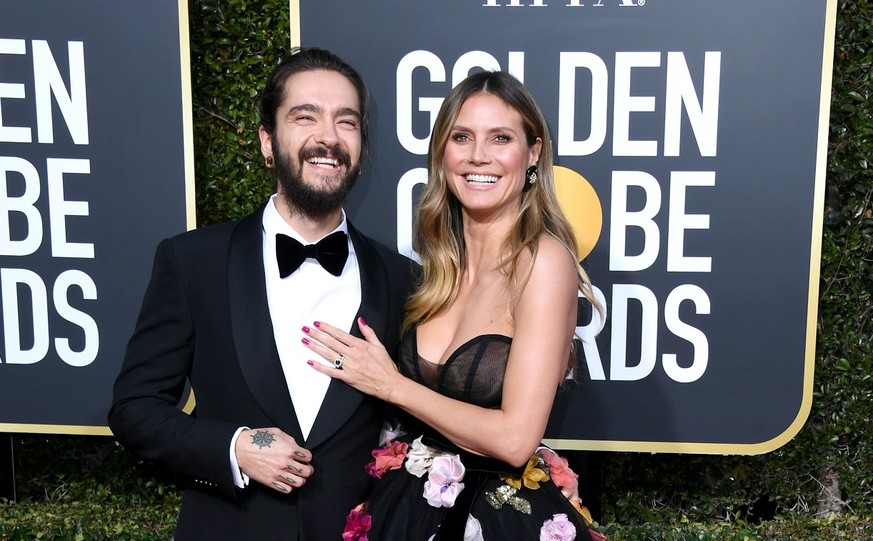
pixel 240 479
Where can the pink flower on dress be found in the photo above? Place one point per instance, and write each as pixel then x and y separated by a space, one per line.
pixel 444 481
pixel 389 457
pixel 559 470
pixel 558 528
pixel 358 523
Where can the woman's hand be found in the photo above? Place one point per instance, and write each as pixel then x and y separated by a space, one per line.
pixel 363 364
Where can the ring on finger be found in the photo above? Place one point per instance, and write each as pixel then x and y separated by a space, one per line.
pixel 338 362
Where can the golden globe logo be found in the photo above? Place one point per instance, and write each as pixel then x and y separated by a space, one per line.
pixel 582 207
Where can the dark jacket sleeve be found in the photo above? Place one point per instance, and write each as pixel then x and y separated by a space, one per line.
pixel 144 415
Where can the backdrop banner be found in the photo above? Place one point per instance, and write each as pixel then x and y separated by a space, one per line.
pixel 95 168
pixel 690 141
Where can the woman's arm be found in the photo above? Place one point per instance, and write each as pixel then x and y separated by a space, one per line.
pixel 545 319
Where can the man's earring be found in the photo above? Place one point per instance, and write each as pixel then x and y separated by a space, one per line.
pixel 269 161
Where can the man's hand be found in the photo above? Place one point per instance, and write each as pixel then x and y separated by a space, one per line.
pixel 272 458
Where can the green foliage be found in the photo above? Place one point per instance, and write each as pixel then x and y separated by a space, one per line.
pixel 776 530
pixel 842 420
pixel 74 488
pixel 84 488
pixel 234 46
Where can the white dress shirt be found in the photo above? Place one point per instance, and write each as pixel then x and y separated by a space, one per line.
pixel 308 294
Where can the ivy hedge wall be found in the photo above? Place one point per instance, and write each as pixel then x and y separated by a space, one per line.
pixel 818 486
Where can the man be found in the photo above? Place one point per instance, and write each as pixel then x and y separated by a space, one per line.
pixel 274 449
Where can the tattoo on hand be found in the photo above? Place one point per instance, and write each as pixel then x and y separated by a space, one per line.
pixel 262 438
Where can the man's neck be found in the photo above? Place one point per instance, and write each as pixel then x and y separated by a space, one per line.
pixel 311 228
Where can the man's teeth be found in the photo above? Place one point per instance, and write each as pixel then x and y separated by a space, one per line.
pixel 484 179
pixel 323 161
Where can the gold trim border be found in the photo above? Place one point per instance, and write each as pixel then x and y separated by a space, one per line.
pixel 80 430
pixel 812 300
pixel 294 15
pixel 190 214
pixel 187 115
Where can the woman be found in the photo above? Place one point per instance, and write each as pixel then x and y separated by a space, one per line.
pixel 488 334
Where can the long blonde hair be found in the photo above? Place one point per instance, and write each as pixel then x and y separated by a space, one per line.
pixel 439 233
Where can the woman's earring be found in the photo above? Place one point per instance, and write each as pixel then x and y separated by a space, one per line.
pixel 269 161
pixel 531 175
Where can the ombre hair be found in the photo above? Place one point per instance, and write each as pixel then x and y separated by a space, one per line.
pixel 439 233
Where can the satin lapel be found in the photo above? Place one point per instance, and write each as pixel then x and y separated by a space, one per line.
pixel 341 400
pixel 252 327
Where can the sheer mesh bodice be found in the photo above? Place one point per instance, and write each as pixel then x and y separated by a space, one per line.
pixel 473 373
pixel 398 507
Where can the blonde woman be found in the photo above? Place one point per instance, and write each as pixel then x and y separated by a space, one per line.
pixel 488 336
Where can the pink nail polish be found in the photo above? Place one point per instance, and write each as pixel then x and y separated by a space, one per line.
pixel 306 330
pixel 305 341
pixel 310 363
pixel 362 322
pixel 317 323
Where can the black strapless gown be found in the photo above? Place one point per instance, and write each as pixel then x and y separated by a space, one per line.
pixel 487 507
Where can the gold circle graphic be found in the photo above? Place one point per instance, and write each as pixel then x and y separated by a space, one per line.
pixel 582 207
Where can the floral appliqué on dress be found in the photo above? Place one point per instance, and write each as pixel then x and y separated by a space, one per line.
pixel 445 473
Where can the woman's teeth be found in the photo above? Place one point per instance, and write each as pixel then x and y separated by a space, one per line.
pixel 481 179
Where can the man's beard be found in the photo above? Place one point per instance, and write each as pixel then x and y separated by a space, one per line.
pixel 311 201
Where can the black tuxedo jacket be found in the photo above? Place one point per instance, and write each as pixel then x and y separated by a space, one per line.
pixel 205 319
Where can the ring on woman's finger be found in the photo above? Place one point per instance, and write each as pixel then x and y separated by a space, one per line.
pixel 338 362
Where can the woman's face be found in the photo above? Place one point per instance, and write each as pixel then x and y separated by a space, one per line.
pixel 487 155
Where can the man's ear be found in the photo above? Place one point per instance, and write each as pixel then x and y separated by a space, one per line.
pixel 266 142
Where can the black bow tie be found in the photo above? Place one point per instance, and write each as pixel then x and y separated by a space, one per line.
pixel 331 251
